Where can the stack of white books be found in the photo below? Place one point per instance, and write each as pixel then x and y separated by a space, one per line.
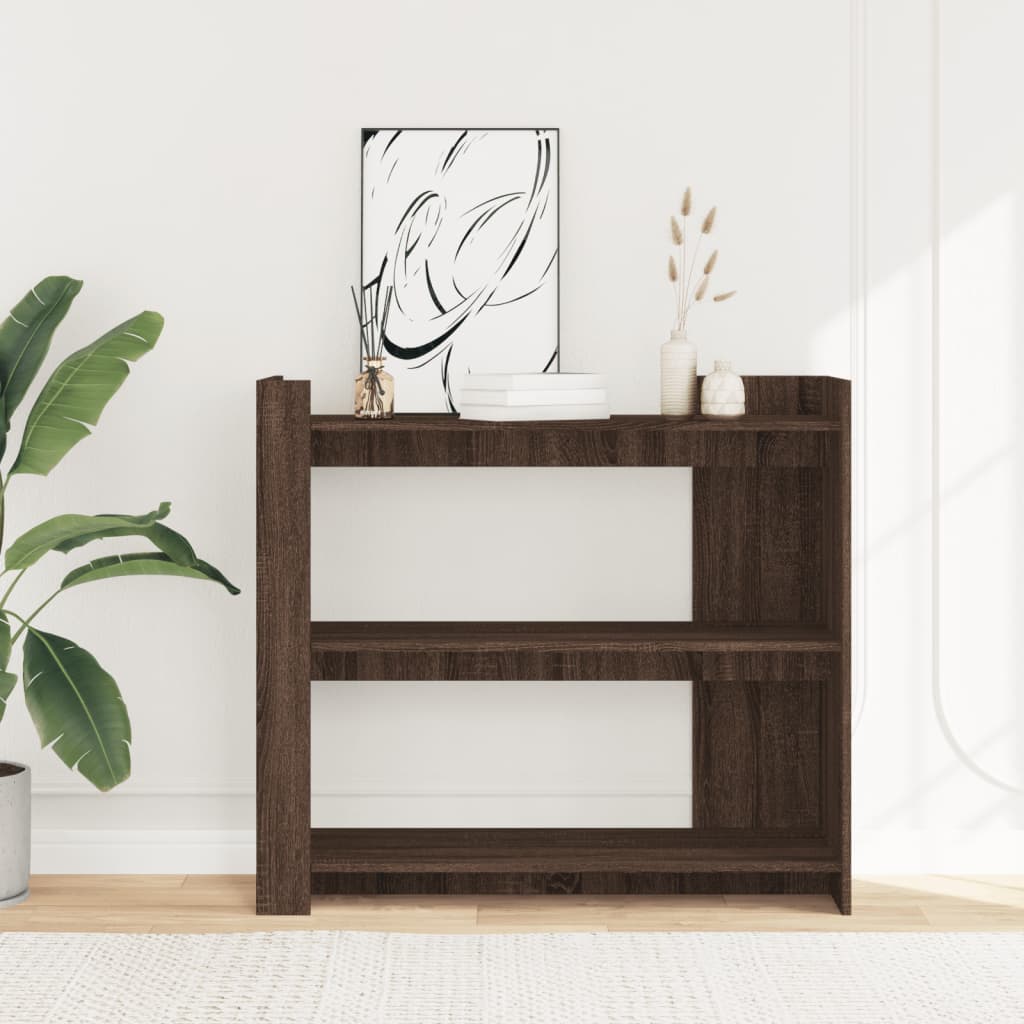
pixel 534 396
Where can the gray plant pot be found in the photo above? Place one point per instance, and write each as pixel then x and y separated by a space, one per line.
pixel 15 831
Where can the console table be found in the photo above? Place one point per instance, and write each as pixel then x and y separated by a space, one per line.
pixel 768 652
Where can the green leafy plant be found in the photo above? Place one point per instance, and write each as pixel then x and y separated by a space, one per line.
pixel 76 705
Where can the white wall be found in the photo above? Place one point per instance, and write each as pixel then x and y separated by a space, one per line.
pixel 939 776
pixel 202 159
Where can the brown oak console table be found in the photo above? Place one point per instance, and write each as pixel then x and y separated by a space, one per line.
pixel 768 652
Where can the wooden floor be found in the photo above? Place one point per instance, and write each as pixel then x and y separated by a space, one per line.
pixel 219 903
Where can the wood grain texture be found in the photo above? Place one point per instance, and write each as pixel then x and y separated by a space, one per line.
pixel 757 757
pixel 540 650
pixel 440 440
pixel 838 722
pixel 199 904
pixel 772 545
pixel 283 647
pixel 787 423
pixel 769 655
pixel 567 883
pixel 555 851
pixel 767 666
pixel 757 546
pixel 788 396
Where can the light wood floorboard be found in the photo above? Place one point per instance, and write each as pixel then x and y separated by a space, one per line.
pixel 225 903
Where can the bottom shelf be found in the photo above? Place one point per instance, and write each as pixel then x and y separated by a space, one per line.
pixel 567 851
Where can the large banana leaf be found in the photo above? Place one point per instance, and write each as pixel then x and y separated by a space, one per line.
pixel 7 682
pixel 169 541
pixel 144 564
pixel 5 640
pixel 77 707
pixel 67 532
pixel 7 679
pixel 25 335
pixel 78 391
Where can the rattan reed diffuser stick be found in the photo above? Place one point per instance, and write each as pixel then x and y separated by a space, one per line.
pixel 364 345
pixel 375 387
pixel 372 320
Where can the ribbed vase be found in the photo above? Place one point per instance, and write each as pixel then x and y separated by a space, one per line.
pixel 678 376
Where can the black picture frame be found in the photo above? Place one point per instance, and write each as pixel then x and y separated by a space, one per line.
pixel 366 134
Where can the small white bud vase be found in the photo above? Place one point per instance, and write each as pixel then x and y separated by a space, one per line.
pixel 722 395
pixel 678 376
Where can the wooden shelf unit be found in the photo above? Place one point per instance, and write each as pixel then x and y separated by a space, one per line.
pixel 768 653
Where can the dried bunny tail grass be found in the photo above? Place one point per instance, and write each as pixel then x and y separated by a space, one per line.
pixel 673 270
pixel 724 295
pixel 677 232
pixel 709 221
pixel 712 260
pixel 701 289
pixel 687 202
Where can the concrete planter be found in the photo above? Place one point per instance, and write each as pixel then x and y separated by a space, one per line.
pixel 15 831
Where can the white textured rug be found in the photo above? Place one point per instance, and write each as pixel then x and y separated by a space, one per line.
pixel 372 978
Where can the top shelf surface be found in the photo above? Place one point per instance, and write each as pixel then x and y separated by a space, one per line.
pixel 444 422
pixel 790 422
pixel 440 440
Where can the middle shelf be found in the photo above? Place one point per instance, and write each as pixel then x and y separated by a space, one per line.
pixel 553 650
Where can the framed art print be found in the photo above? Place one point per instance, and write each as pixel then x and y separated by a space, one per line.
pixel 461 225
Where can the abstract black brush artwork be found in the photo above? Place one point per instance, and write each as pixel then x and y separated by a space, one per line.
pixel 462 227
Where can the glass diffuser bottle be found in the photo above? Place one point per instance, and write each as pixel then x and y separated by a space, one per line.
pixel 375 392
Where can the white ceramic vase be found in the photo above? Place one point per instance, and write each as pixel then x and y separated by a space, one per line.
pixel 722 395
pixel 678 376
pixel 15 831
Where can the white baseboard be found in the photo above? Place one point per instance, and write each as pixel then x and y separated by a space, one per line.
pixel 221 851
pixel 143 851
pixel 938 851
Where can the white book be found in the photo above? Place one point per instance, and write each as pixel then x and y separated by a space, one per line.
pixel 572 396
pixel 508 413
pixel 532 381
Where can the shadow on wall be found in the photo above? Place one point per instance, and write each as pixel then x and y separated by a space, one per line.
pixel 950 456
